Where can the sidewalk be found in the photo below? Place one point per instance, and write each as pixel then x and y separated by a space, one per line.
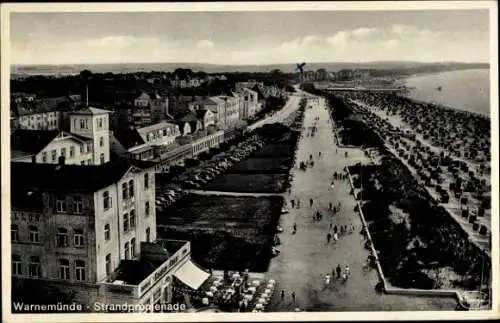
pixel 305 257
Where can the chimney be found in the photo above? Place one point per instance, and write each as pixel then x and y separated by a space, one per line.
pixel 62 160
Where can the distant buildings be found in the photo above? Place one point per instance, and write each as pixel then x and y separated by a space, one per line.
pixel 87 142
pixel 225 109
pixel 149 108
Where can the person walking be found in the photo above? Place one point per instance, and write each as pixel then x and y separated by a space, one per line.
pixel 335 229
pixel 335 237
pixel 293 203
pixel 310 202
pixel 331 206
pixel 282 294
pixel 328 237
pixel 338 270
pixel 294 226
pixel 293 296
pixel 331 224
pixel 298 204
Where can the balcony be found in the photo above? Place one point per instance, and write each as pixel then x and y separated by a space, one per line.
pixel 136 277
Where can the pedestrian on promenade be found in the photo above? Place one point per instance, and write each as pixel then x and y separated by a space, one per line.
pixel 310 157
pixel 319 154
pixel 335 237
pixel 294 226
pixel 282 294
pixel 298 204
pixel 331 224
pixel 310 202
pixel 328 237
pixel 335 229
pixel 293 296
pixel 293 203
pixel 339 271
pixel 331 206
pixel 312 163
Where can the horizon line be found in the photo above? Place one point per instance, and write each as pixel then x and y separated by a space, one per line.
pixel 257 64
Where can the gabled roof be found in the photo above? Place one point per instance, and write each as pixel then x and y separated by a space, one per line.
pixel 67 178
pixel 31 141
pixel 128 138
pixel 189 117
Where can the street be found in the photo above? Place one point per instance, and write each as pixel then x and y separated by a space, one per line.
pixel 306 257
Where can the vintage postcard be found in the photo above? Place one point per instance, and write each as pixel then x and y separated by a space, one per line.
pixel 249 161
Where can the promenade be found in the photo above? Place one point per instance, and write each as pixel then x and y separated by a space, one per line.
pixel 305 257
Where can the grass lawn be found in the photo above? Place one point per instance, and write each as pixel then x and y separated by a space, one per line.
pixel 225 232
pixel 248 183
pixel 262 166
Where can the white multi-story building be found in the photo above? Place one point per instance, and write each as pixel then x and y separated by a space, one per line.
pixel 92 230
pixel 86 144
pixel 248 103
pixel 225 108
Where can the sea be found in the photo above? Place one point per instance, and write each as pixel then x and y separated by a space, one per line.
pixel 467 90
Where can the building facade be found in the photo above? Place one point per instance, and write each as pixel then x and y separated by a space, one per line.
pixel 149 109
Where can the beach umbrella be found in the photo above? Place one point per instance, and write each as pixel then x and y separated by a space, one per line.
pixel 209 294
pixel 205 301
pixel 256 283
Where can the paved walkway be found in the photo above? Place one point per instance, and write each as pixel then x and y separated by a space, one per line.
pixel 305 257
pixel 202 192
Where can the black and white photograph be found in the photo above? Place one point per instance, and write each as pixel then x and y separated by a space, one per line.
pixel 249 161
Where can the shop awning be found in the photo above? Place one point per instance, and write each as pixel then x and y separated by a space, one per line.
pixel 191 275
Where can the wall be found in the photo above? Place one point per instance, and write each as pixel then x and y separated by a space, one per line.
pixel 57 144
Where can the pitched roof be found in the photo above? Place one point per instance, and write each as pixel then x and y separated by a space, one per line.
pixel 91 111
pixel 156 126
pixel 26 176
pixel 31 141
pixel 128 138
pixel 189 117
pixel 200 114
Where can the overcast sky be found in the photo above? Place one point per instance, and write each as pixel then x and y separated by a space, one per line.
pixel 250 37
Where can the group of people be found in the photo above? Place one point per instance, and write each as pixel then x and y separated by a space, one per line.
pixel 338 273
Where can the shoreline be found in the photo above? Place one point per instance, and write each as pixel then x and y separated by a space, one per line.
pixel 402 80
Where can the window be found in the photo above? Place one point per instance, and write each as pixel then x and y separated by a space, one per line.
pixel 131 188
pixel 54 155
pixel 63 151
pixel 99 123
pixel 34 235
pixel 108 264
pixel 35 267
pixel 60 203
pixel 127 250
pixel 125 222
pixel 16 265
pixel 148 235
pixel 89 161
pixel 82 162
pixel 72 151
pixel 77 204
pixel 133 248
pixel 82 148
pixel 44 157
pixel 132 219
pixel 14 233
pixel 106 200
pixel 82 124
pixel 146 208
pixel 107 232
pixel 78 238
pixel 101 141
pixel 80 270
pixel 124 191
pixel 164 132
pixel 146 181
pixel 62 237
pixel 102 160
pixel 64 269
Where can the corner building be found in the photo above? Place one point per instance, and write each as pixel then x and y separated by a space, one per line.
pixel 91 230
